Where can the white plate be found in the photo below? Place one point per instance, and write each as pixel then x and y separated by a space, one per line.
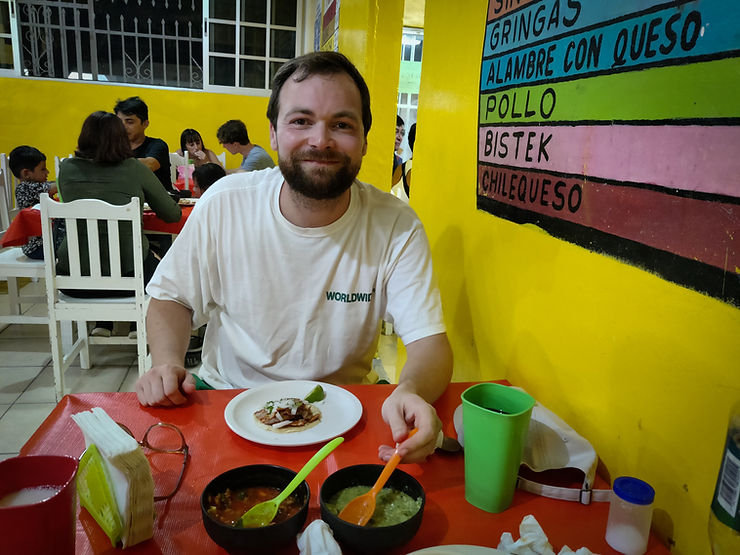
pixel 458 550
pixel 340 411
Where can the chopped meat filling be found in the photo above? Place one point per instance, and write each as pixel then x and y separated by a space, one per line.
pixel 287 412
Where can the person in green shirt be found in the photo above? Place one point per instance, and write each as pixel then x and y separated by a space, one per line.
pixel 104 168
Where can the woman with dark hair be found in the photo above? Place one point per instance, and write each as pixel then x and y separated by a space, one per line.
pixel 191 145
pixel 104 168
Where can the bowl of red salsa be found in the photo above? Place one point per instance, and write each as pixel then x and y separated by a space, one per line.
pixel 231 494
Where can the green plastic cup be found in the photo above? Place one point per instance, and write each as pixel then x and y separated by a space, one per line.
pixel 495 426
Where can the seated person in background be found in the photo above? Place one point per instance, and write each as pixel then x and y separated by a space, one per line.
pixel 28 165
pixel 402 189
pixel 191 145
pixel 104 168
pixel 400 132
pixel 204 176
pixel 233 136
pixel 153 153
pixel 338 255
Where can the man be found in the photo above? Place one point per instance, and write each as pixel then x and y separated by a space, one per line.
pixel 294 268
pixel 233 136
pixel 153 153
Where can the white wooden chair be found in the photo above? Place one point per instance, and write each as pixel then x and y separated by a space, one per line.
pixel 57 161
pixel 13 263
pixel 222 158
pixel 177 160
pixel 65 308
pixel 6 193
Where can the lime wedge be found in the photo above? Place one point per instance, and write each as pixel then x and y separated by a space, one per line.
pixel 317 394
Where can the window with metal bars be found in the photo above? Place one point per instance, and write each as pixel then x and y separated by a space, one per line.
pixel 195 44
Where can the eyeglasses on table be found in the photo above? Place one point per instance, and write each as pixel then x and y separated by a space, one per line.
pixel 168 439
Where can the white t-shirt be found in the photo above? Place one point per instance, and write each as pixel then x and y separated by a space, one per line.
pixel 284 302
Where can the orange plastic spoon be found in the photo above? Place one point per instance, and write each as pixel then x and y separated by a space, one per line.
pixel 361 508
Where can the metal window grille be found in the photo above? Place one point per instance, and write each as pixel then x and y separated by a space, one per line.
pixel 159 42
pixel 152 42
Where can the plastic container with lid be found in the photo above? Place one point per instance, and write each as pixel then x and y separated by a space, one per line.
pixel 630 514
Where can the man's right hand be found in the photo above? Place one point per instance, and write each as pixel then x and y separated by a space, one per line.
pixel 165 386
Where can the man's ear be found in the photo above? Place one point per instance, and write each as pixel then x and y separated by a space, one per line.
pixel 273 138
pixel 145 124
pixel 25 174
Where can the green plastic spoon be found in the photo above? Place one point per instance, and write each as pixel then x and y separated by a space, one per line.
pixel 263 513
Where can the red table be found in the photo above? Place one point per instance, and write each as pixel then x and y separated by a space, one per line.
pixel 27 223
pixel 214 448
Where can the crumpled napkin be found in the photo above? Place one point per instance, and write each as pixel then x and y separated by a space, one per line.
pixel 533 541
pixel 317 539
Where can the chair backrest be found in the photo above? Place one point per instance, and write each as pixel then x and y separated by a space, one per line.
pixel 57 161
pixel 92 211
pixel 222 158
pixel 5 215
pixel 6 193
pixel 175 160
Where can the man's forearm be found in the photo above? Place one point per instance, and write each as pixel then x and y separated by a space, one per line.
pixel 151 163
pixel 168 326
pixel 428 367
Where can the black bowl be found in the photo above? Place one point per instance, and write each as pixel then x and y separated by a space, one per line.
pixel 254 540
pixel 365 539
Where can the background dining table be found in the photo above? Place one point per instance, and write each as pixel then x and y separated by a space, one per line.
pixel 215 448
pixel 27 223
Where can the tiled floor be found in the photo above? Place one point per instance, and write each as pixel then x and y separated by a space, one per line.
pixel 27 381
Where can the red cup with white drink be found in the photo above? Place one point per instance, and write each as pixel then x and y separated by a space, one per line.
pixel 38 504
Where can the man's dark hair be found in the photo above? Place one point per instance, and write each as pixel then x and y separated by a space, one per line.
pixel 24 157
pixel 233 131
pixel 412 136
pixel 190 136
pixel 103 139
pixel 318 63
pixel 399 121
pixel 133 106
pixel 207 174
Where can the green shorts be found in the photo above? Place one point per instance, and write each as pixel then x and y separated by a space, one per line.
pixel 200 384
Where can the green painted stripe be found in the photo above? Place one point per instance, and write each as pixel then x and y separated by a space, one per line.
pixel 699 90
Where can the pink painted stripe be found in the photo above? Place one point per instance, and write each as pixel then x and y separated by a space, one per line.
pixel 690 158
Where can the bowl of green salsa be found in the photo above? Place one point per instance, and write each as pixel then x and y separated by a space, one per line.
pixel 398 510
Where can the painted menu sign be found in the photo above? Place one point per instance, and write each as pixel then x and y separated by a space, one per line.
pixel 616 126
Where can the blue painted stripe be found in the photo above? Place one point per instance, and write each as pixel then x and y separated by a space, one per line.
pixel 550 18
pixel 680 33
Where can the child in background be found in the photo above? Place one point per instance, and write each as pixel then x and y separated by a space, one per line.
pixel 204 176
pixel 28 165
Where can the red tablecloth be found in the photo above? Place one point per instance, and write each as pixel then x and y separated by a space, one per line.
pixel 151 222
pixel 214 448
pixel 27 223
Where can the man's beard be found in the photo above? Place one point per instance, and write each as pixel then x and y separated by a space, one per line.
pixel 321 183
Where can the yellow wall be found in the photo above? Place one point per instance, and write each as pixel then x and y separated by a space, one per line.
pixel 646 370
pixel 370 36
pixel 48 114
